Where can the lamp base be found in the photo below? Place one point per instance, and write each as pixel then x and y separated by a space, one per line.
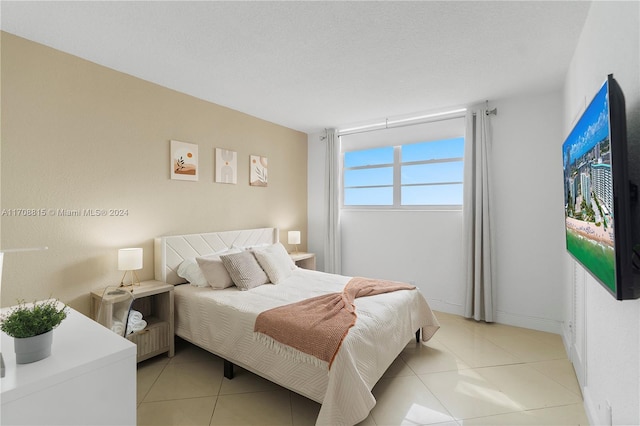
pixel 134 279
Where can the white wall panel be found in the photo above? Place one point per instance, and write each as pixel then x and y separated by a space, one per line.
pixel 610 345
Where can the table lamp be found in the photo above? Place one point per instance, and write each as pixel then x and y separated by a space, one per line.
pixel 130 260
pixel 294 238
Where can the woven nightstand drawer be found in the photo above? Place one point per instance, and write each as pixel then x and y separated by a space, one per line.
pixel 152 340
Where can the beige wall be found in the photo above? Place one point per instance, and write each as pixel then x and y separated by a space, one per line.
pixel 76 135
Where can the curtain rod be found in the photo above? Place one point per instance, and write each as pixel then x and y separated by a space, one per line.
pixel 489 112
pixel 405 122
pixel 409 122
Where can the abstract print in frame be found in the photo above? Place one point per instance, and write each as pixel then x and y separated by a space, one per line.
pixel 226 166
pixel 258 167
pixel 184 161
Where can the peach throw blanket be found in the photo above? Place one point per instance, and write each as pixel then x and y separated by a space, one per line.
pixel 317 326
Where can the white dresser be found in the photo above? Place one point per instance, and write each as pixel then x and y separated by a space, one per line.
pixel 89 379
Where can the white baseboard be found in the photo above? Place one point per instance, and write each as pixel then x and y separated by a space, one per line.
pixel 566 340
pixel 591 409
pixel 534 323
pixel 444 306
pixel 579 369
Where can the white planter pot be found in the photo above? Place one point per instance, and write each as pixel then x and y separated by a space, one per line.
pixel 32 349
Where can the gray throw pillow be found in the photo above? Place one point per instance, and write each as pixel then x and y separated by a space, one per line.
pixel 244 269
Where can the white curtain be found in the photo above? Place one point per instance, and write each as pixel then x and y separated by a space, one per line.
pixel 476 217
pixel 332 242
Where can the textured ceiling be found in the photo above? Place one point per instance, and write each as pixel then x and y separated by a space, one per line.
pixel 313 65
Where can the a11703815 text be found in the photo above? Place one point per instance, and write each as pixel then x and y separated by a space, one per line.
pixel 63 212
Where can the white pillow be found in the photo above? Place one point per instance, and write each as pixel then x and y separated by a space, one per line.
pixel 275 261
pixel 244 269
pixel 214 271
pixel 190 271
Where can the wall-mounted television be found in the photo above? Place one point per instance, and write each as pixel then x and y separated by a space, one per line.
pixel 598 194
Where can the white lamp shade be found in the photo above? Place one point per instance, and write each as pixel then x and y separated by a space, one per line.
pixel 294 237
pixel 129 259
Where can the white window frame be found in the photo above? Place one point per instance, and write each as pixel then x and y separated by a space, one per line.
pixel 396 133
pixel 397 184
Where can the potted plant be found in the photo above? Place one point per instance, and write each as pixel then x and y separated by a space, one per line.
pixel 32 326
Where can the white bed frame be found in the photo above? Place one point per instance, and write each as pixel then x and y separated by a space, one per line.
pixel 170 251
pixel 309 381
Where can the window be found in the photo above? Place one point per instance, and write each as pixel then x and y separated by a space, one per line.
pixel 410 175
pixel 368 177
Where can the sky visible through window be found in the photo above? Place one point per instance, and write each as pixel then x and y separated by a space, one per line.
pixel 436 179
pixel 369 157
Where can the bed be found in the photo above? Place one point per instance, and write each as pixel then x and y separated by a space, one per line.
pixel 222 322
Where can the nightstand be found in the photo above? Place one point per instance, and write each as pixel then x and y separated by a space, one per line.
pixel 154 299
pixel 304 260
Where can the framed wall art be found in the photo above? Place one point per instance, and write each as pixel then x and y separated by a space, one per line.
pixel 226 166
pixel 184 161
pixel 258 175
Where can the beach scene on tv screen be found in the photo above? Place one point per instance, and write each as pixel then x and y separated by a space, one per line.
pixel 588 191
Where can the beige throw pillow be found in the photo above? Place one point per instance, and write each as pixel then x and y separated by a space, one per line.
pixel 244 270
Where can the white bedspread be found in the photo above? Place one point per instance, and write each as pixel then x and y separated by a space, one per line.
pixel 222 322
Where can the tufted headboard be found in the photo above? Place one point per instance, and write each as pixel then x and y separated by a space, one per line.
pixel 170 251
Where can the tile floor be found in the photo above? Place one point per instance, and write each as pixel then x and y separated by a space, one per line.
pixel 468 374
